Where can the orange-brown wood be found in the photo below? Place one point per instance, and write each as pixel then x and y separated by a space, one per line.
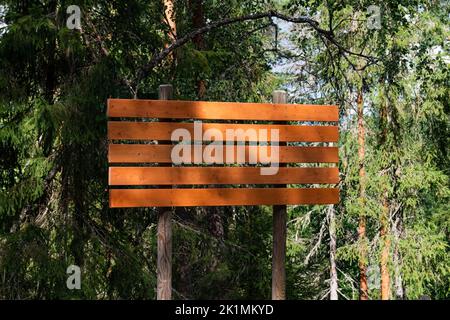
pixel 122 176
pixel 206 175
pixel 126 130
pixel 127 198
pixel 145 153
pixel 219 110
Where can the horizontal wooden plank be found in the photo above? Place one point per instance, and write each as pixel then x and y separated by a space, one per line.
pixel 145 153
pixel 122 176
pixel 126 130
pixel 127 198
pixel 174 109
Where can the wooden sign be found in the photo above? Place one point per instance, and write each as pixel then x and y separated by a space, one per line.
pixel 222 157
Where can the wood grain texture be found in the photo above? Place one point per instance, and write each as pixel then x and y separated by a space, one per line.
pixel 164 254
pixel 279 232
pixel 128 130
pixel 144 153
pixel 164 236
pixel 135 176
pixel 129 198
pixel 220 110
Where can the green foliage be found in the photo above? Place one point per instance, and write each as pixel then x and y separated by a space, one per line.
pixel 54 210
pixel 54 84
pixel 406 150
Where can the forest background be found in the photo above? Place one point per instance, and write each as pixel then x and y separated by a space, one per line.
pixel 385 63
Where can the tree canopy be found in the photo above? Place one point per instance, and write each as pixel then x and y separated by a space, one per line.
pixel 391 82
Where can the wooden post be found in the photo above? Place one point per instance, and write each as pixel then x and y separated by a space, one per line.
pixel 164 261
pixel 279 231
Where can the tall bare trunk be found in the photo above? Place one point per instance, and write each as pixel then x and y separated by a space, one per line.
pixel 333 270
pixel 363 288
pixel 169 14
pixel 385 243
pixel 384 217
pixel 398 281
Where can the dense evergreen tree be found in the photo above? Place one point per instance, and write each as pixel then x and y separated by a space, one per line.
pixel 54 84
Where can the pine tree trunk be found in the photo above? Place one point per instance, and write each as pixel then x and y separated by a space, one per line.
pixel 333 270
pixel 169 14
pixel 385 243
pixel 398 281
pixel 363 288
pixel 384 218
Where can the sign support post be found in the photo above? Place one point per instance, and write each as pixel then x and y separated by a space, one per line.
pixel 279 230
pixel 164 233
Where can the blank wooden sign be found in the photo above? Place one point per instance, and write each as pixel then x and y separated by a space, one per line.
pixel 141 141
